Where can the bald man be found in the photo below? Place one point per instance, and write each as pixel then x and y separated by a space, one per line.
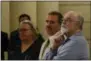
pixel 76 46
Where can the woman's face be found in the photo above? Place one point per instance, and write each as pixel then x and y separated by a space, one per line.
pixel 25 32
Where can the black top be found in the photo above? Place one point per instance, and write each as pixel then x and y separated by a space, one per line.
pixel 4 43
pixel 32 53
pixel 14 39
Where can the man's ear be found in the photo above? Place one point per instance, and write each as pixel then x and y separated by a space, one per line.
pixel 78 25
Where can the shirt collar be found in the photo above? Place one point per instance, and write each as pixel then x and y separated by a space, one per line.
pixel 76 34
pixel 72 37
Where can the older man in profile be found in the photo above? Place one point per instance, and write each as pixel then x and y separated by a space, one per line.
pixel 76 46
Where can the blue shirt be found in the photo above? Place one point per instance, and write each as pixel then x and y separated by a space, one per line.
pixel 76 48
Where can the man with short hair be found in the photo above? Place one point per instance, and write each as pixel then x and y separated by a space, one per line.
pixel 53 24
pixel 76 46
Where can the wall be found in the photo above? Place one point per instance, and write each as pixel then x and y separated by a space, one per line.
pixel 84 9
pixel 5 17
pixel 38 12
pixel 43 8
pixel 18 8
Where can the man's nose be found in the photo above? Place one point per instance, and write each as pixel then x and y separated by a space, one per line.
pixel 48 24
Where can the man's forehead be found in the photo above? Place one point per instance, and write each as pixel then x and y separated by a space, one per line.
pixel 52 15
pixel 71 13
pixel 70 16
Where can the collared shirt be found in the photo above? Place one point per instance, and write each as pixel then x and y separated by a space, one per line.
pixel 76 48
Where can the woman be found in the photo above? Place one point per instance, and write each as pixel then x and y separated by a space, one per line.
pixel 30 43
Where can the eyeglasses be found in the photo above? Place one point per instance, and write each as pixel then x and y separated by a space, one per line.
pixel 24 30
pixel 68 20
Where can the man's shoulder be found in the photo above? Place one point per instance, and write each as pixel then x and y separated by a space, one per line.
pixel 81 40
pixel 76 43
pixel 14 32
pixel 44 43
pixel 3 33
pixel 40 37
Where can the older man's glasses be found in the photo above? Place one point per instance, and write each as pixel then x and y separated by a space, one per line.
pixel 69 20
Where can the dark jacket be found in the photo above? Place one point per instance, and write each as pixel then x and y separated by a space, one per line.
pixel 14 39
pixel 4 43
pixel 32 53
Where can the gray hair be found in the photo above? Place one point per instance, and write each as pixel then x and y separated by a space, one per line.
pixel 81 21
pixel 80 18
pixel 30 24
